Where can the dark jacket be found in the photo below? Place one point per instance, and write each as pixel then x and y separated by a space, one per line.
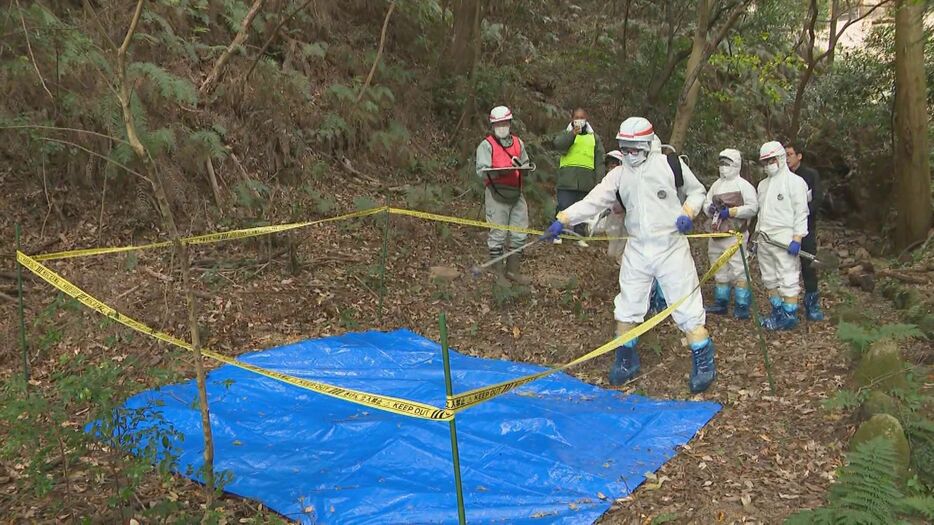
pixel 812 178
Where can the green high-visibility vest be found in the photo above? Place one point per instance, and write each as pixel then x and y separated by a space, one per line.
pixel 580 154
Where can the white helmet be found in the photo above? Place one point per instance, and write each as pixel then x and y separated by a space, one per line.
pixel 772 149
pixel 500 114
pixel 636 132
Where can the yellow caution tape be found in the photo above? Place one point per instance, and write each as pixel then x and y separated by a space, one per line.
pixel 474 397
pixel 278 228
pixel 489 225
pixel 210 237
pixel 387 403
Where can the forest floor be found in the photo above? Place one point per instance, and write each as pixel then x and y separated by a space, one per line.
pixel 765 455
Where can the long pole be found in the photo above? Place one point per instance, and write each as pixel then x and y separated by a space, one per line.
pixel 22 312
pixel 382 268
pixel 461 514
pixel 757 322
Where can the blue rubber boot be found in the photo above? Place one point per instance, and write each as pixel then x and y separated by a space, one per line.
pixel 657 301
pixel 776 303
pixel 786 319
pixel 626 365
pixel 812 309
pixel 703 368
pixel 742 297
pixel 721 300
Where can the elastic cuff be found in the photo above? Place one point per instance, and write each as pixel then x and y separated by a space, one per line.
pixel 733 212
pixel 563 217
pixel 740 283
pixel 791 299
pixel 687 211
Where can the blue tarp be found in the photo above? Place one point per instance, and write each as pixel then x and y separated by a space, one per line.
pixel 545 453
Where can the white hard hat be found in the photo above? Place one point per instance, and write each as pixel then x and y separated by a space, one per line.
pixel 771 149
pixel 732 154
pixel 638 131
pixel 500 114
pixel 616 154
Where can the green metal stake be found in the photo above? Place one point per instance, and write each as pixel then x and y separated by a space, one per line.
pixel 22 314
pixel 461 515
pixel 382 268
pixel 757 322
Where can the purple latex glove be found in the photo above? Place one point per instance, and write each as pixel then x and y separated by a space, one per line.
pixel 794 248
pixel 553 231
pixel 684 224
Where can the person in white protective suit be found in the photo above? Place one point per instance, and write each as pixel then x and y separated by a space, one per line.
pixel 783 217
pixel 731 203
pixel 646 185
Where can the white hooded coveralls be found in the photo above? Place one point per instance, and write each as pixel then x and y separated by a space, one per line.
pixel 655 249
pixel 783 214
pixel 732 191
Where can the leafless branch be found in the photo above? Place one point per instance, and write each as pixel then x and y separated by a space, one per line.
pixel 272 37
pixel 238 40
pixel 379 51
pixel 96 154
pixel 55 128
pixel 31 55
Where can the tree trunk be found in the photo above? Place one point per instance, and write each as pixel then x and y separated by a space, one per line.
pixel 460 54
pixel 690 91
pixel 912 172
pixel 181 251
pixel 834 16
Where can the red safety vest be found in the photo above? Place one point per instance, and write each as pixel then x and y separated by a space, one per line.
pixel 502 158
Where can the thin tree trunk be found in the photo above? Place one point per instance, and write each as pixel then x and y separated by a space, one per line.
pixel 460 55
pixel 912 171
pixel 379 51
pixel 689 92
pixel 238 40
pixel 181 251
pixel 834 17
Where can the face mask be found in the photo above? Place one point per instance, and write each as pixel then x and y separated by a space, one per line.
pixel 580 123
pixel 501 132
pixel 771 169
pixel 634 159
pixel 728 172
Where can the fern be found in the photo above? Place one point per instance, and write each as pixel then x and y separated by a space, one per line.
pixel 866 491
pixel 170 86
pixel 845 400
pixel 919 506
pixel 860 338
pixel 316 50
pixel 208 144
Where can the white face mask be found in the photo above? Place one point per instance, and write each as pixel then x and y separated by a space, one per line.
pixel 771 169
pixel 635 159
pixel 501 132
pixel 729 172
pixel 580 123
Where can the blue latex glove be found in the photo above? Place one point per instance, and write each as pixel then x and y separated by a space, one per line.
pixel 712 209
pixel 794 248
pixel 553 231
pixel 724 214
pixel 684 224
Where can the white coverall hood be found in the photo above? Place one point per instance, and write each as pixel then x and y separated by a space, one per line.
pixel 731 172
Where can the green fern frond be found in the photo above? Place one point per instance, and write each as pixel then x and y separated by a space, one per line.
pixel 900 331
pixel 170 87
pixel 208 144
pixel 918 506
